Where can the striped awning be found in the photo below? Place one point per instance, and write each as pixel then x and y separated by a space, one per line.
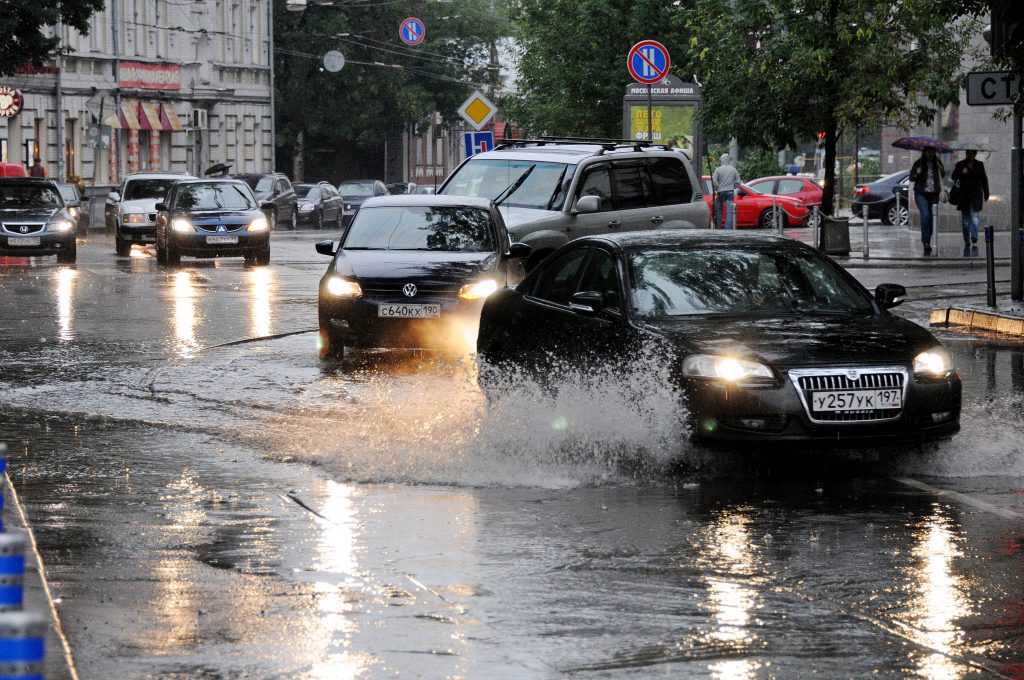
pixel 169 118
pixel 130 115
pixel 149 116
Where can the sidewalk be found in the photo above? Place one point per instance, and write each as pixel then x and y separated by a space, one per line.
pixel 901 243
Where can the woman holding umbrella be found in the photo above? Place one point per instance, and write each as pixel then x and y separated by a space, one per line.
pixel 927 173
pixel 969 194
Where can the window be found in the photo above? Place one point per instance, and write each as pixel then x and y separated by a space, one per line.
pixel 602 276
pixel 282 186
pixel 671 182
pixel 557 282
pixel 790 186
pixel 631 183
pixel 598 182
pixel 766 187
pixel 448 228
pixel 543 188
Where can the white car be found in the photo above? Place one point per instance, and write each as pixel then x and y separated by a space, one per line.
pixel 131 210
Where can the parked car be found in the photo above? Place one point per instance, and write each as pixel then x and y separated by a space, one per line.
pixel 409 268
pixel 276 189
pixel 319 204
pixel 770 341
pixel 880 198
pixel 399 188
pixel 425 190
pixel 357 191
pixel 130 210
pixel 34 220
pixel 551 190
pixel 212 218
pixel 801 188
pixel 73 201
pixel 756 210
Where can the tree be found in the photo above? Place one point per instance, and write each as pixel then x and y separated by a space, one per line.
pixel 22 23
pixel 572 61
pixel 775 71
pixel 395 85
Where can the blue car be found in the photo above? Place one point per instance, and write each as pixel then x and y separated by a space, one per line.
pixel 211 218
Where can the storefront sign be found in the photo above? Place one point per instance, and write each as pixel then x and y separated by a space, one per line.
pixel 11 101
pixel 150 76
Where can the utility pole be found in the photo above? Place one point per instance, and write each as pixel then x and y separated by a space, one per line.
pixel 115 141
pixel 59 100
pixel 273 113
pixel 1016 170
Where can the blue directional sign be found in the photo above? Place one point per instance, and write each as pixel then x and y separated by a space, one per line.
pixel 477 142
pixel 412 31
pixel 648 62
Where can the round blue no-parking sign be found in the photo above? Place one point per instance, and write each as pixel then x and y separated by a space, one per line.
pixel 412 31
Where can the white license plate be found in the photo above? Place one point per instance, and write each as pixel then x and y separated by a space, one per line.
pixel 839 401
pixel 23 241
pixel 221 240
pixel 409 311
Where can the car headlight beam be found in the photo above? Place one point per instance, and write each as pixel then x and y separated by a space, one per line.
pixel 133 218
pixel 729 369
pixel 181 225
pixel 934 362
pixel 258 224
pixel 62 225
pixel 478 290
pixel 343 288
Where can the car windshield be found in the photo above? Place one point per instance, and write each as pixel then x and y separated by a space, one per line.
pixel 740 281
pixel 307 191
pixel 449 228
pixel 137 189
pixel 258 183
pixel 220 196
pixel 68 192
pixel 356 189
pixel 29 196
pixel 750 189
pixel 544 188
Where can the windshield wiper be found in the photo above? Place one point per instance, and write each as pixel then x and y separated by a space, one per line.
pixel 558 187
pixel 512 188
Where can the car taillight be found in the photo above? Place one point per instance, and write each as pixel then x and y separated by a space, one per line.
pixel 860 191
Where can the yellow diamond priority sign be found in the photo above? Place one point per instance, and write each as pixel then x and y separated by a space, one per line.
pixel 477 110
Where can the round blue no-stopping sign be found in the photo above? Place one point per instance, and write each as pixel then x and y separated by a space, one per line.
pixel 648 62
pixel 412 31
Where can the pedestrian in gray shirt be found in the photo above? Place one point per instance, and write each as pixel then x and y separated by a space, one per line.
pixel 725 181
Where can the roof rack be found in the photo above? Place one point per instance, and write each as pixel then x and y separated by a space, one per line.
pixel 606 144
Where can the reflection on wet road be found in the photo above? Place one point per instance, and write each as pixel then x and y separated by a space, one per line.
pixel 209 509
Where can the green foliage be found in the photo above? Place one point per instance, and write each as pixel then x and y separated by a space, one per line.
pixel 22 23
pixel 869 169
pixel 760 164
pixel 572 61
pixel 777 71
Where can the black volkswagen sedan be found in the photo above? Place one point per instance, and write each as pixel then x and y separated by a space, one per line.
pixel 211 218
pixel 414 271
pixel 769 340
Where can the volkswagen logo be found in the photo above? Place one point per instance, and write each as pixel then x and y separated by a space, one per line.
pixel 409 290
pixel 23 229
pixel 853 375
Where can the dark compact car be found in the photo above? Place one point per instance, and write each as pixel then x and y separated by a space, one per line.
pixel 73 200
pixel 410 269
pixel 769 340
pixel 35 220
pixel 357 191
pixel 320 204
pixel 880 198
pixel 275 189
pixel 212 218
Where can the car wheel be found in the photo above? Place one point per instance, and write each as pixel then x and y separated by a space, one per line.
pixel 68 256
pixel 814 219
pixel 320 221
pixel 161 254
pixel 767 219
pixel 121 247
pixel 894 216
pixel 171 256
pixel 260 258
pixel 329 345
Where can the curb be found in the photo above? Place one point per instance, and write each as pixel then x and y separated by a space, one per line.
pixel 979 319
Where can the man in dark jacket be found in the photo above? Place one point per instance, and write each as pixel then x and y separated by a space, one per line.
pixel 970 193
pixel 926 173
pixel 37 169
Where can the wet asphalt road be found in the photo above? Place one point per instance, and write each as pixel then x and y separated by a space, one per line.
pixel 214 509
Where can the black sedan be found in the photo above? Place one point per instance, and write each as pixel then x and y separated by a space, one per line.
pixel 212 218
pixel 320 205
pixel 35 220
pixel 880 199
pixel 414 271
pixel 768 340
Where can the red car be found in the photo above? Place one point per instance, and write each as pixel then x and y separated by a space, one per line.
pixel 754 209
pixel 803 188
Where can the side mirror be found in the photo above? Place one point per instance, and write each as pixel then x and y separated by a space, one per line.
pixel 888 295
pixel 161 207
pixel 266 205
pixel 114 196
pixel 588 204
pixel 740 193
pixel 519 250
pixel 588 302
pixel 325 248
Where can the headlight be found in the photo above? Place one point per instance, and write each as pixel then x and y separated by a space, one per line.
pixel 181 225
pixel 134 218
pixel 61 225
pixel 305 207
pixel 348 206
pixel 478 290
pixel 933 362
pixel 724 368
pixel 73 211
pixel 258 224
pixel 339 287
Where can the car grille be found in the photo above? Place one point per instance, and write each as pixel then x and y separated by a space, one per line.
pixel 24 228
pixel 809 382
pixel 216 228
pixel 396 288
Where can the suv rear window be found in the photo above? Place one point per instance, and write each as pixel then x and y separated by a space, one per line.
pixel 544 188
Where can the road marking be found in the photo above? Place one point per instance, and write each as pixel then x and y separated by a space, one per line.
pixel 960 497
pixel 58 627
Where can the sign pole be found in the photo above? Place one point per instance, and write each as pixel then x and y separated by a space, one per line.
pixel 1016 282
pixel 650 117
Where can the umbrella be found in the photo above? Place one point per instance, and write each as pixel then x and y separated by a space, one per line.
pixel 218 170
pixel 967 144
pixel 919 144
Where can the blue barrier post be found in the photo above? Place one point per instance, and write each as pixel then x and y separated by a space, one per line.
pixel 22 646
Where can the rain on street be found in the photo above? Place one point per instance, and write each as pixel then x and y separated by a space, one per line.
pixel 212 501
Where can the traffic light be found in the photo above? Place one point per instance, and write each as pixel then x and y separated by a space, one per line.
pixel 1006 34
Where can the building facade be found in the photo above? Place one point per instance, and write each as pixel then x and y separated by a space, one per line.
pixel 156 85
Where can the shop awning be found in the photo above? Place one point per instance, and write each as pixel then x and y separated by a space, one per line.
pixel 129 115
pixel 149 116
pixel 169 118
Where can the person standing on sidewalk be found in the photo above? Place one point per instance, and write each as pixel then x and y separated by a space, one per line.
pixel 971 186
pixel 927 173
pixel 726 180
pixel 37 169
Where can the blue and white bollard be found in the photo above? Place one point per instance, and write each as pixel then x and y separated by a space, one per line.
pixel 12 572
pixel 22 645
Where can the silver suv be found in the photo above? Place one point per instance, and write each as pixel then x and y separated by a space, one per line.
pixel 131 210
pixel 554 190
